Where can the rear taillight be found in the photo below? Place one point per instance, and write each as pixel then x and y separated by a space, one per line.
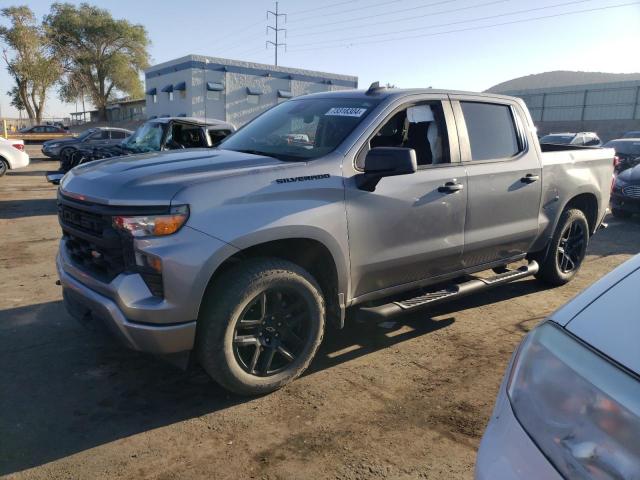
pixel 18 146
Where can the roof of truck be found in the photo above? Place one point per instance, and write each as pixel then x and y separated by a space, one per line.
pixel 194 120
pixel 383 92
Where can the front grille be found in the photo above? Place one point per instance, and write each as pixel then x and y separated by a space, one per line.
pixel 632 191
pixel 96 247
pixel 92 242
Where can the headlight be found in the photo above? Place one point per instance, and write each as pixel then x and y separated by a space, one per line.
pixel 581 410
pixel 153 225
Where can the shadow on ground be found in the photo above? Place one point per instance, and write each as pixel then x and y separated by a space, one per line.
pixel 12 209
pixel 67 389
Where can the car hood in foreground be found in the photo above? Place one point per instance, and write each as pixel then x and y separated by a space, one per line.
pixel 606 315
pixel 631 175
pixel 154 178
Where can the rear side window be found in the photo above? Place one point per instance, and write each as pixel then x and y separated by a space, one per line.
pixel 116 134
pixel 491 129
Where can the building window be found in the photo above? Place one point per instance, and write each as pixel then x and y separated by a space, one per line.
pixel 171 96
pixel 213 95
pixel 154 98
pixel 253 99
pixel 183 94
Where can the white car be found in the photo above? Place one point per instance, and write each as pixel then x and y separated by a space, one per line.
pixel 12 155
pixel 569 404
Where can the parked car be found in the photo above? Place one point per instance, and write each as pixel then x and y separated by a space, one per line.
pixel 12 155
pixel 93 137
pixel 625 193
pixel 632 134
pixel 569 404
pixel 39 133
pixel 166 133
pixel 396 201
pixel 627 153
pixel 588 139
pixel 42 129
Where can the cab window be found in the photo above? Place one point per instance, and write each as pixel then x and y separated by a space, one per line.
pixel 421 127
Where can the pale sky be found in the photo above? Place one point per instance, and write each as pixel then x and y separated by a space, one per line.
pixel 453 44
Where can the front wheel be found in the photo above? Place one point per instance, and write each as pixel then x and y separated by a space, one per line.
pixel 567 249
pixel 261 326
pixel 4 167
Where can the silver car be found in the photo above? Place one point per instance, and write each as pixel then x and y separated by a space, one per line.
pixel 569 404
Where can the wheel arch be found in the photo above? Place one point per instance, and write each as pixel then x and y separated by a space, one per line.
pixel 309 253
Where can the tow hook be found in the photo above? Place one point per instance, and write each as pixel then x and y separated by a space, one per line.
pixel 603 226
pixel 58 282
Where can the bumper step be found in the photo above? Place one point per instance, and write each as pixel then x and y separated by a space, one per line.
pixel 448 292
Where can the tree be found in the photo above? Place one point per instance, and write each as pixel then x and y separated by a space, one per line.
pixel 29 61
pixel 102 56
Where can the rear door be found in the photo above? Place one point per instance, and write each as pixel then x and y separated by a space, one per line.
pixel 504 179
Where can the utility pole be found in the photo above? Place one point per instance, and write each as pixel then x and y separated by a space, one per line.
pixel 277 30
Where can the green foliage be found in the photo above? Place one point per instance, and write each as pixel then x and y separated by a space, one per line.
pixel 29 60
pixel 102 56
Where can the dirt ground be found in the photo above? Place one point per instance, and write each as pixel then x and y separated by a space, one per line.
pixel 406 402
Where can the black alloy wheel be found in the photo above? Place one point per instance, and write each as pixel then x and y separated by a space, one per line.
pixel 570 252
pixel 271 332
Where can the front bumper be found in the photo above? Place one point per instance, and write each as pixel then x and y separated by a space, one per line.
pixel 624 203
pixel 51 152
pixel 127 307
pixel 507 452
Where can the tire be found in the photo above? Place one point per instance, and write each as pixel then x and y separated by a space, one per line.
pixel 561 264
pixel 620 213
pixel 4 167
pixel 265 304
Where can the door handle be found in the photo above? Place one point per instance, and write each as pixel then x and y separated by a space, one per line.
pixel 530 178
pixel 450 187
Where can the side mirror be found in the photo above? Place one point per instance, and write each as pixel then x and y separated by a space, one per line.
pixel 386 162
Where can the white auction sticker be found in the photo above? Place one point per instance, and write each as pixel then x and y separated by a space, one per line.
pixel 346 112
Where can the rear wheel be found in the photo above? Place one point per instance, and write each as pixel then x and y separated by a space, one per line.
pixel 4 166
pixel 261 327
pixel 567 249
pixel 620 213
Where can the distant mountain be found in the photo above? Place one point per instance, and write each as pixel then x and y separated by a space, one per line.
pixel 561 78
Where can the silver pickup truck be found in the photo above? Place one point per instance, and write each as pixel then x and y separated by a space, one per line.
pixel 380 201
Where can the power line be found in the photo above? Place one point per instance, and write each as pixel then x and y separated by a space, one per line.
pixel 276 30
pixel 324 7
pixel 340 12
pixel 404 19
pixel 471 28
pixel 384 14
pixel 449 24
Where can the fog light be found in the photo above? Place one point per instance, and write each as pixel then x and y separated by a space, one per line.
pixel 148 261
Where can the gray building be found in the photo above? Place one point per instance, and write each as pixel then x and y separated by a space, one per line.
pixel 230 90
pixel 609 108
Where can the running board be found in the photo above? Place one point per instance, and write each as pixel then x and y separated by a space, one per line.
pixel 450 292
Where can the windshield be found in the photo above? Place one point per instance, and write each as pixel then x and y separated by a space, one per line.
pixel 86 133
pixel 557 139
pixel 300 130
pixel 147 138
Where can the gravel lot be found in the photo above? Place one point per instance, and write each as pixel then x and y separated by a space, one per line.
pixel 409 401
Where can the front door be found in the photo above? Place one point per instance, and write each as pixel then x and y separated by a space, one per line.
pixel 411 228
pixel 504 176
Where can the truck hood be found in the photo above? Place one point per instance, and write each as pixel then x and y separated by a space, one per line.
pixel 155 178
